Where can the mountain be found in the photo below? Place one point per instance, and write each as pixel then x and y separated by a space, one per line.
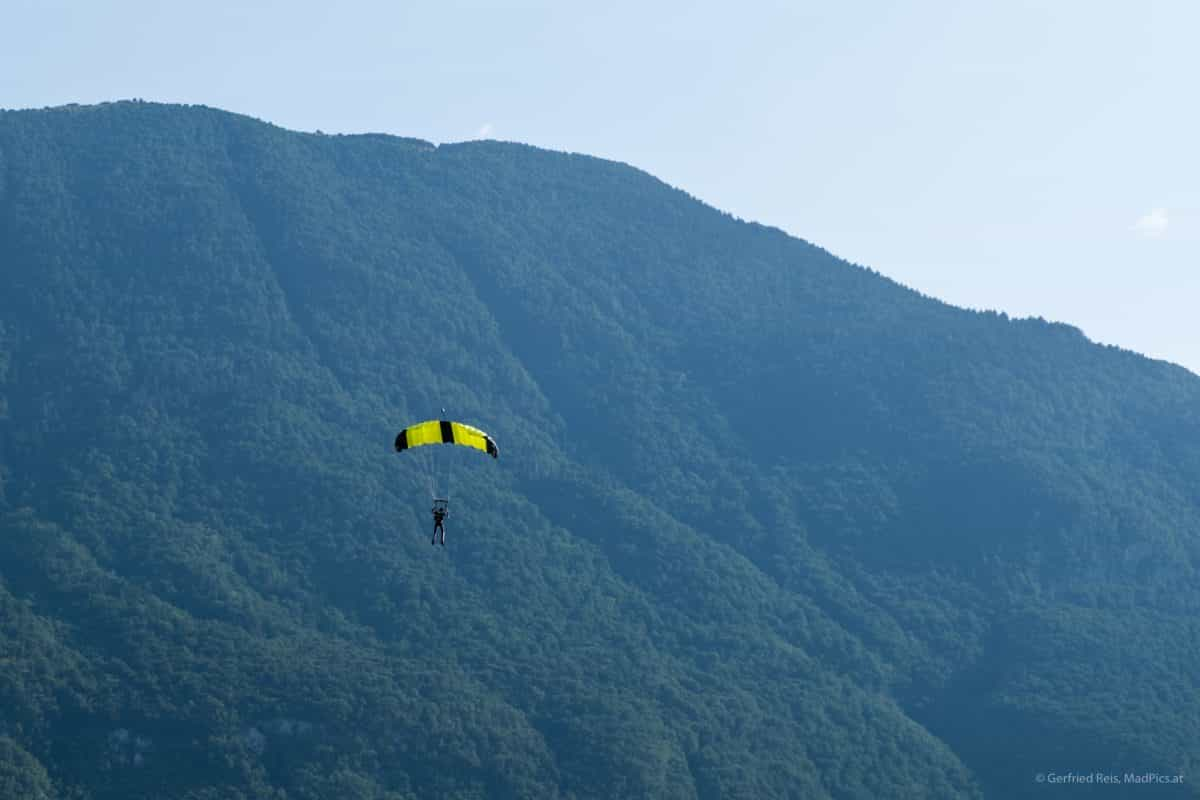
pixel 764 523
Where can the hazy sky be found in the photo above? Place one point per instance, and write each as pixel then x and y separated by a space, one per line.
pixel 1039 158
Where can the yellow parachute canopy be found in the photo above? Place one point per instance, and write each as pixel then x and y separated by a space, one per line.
pixel 440 431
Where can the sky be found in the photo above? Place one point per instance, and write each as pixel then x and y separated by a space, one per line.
pixel 1038 158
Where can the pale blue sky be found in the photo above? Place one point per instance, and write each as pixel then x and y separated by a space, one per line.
pixel 1034 157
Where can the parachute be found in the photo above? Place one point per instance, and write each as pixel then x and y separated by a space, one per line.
pixel 436 465
pixel 440 431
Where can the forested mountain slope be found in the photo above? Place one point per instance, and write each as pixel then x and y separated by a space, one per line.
pixel 765 523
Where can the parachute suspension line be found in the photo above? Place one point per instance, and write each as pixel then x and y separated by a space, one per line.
pixel 437 456
pixel 439 464
pixel 449 465
pixel 431 457
pixel 425 465
pixel 437 459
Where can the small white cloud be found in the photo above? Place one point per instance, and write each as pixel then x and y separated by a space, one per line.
pixel 1153 225
pixel 485 130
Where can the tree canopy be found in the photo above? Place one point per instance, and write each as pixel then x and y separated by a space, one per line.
pixel 767 524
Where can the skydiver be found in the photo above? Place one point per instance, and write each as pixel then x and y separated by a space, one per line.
pixel 439 516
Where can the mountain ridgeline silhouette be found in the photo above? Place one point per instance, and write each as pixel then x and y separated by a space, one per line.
pixel 766 523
